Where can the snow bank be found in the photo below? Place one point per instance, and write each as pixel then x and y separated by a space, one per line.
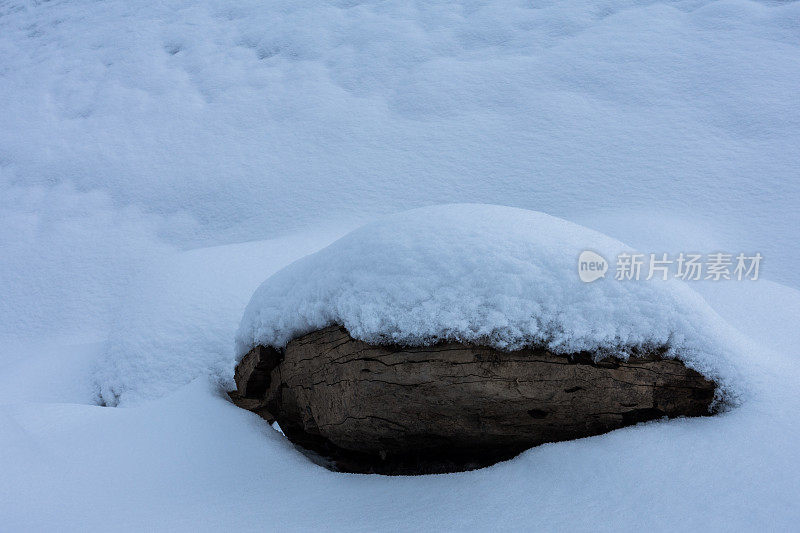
pixel 176 323
pixel 492 275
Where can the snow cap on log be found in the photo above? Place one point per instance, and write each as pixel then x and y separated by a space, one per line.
pixel 488 275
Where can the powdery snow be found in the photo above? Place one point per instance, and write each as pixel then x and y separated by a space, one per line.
pixel 181 312
pixel 485 274
pixel 129 128
pixel 140 142
pixel 192 461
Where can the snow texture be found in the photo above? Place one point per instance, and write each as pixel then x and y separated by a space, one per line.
pixel 178 320
pixel 128 131
pixel 160 158
pixel 191 461
pixel 492 275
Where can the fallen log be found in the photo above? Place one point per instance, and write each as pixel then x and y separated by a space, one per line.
pixel 451 406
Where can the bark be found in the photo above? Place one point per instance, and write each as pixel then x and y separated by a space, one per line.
pixel 451 406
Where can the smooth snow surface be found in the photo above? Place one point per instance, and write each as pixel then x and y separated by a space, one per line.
pixel 491 275
pixel 178 320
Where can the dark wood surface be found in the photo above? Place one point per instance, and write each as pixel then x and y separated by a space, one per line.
pixel 451 406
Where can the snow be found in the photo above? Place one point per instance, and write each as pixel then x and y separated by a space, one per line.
pixel 482 274
pixel 178 321
pixel 131 131
pixel 193 461
pixel 160 159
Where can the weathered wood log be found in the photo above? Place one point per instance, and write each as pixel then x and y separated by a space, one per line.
pixel 451 406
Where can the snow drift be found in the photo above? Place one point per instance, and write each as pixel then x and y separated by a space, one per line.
pixel 483 274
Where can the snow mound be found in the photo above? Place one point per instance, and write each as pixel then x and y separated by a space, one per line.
pixel 493 275
pixel 179 314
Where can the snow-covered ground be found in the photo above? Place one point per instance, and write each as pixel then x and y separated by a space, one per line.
pixel 160 159
pixel 191 460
